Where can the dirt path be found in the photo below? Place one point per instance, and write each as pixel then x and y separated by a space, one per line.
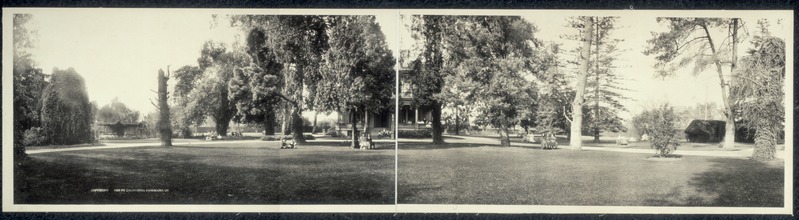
pixel 485 140
pixel 154 144
pixel 127 145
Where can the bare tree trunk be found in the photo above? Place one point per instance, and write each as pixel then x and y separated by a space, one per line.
pixel 222 126
pixel 286 114
pixel 457 121
pixel 366 122
pixel 353 123
pixel 575 141
pixel 438 138
pixel 164 123
pixel 269 120
pixel 504 136
pixel 296 125
pixel 596 88
pixel 729 128
pixel 313 130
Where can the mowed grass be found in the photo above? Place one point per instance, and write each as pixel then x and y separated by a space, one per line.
pixel 464 173
pixel 240 173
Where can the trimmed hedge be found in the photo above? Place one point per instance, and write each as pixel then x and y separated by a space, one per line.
pixel 289 137
pixel 414 134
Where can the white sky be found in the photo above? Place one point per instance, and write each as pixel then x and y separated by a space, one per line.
pixel 683 89
pixel 119 52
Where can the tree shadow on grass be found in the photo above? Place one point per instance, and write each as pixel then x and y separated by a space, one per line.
pixel 347 144
pixel 430 146
pixel 198 179
pixel 730 183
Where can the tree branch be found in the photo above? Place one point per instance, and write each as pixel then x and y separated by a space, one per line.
pixel 566 116
pixel 153 103
pixel 294 103
pixel 751 80
pixel 689 41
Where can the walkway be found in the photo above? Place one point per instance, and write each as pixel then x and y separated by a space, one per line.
pixel 492 141
pixel 128 145
pixel 190 142
pixel 449 138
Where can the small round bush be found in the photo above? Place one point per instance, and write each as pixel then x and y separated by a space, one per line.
pixel 34 137
pixel 661 122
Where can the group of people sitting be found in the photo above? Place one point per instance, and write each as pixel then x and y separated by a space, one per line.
pixel 547 139
pixel 366 142
pixel 285 144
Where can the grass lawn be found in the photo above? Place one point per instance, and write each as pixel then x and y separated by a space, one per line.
pixel 253 172
pixel 610 142
pixel 469 173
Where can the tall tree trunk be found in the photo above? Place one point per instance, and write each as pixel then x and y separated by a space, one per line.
pixel 313 129
pixel 457 121
pixel 354 126
pixel 286 115
pixel 296 125
pixel 438 130
pixel 366 122
pixel 729 131
pixel 504 136
pixel 221 126
pixel 596 87
pixel 269 120
pixel 164 123
pixel 575 140
pixel 765 143
pixel 729 118
pixel 223 115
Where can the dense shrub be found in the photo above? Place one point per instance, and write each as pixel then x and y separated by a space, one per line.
pixel 385 134
pixel 661 123
pixel 277 137
pixel 34 137
pixel 414 134
pixel 67 114
pixel 705 131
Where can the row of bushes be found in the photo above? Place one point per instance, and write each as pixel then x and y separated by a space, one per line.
pixel 380 134
pixel 277 137
pixel 414 134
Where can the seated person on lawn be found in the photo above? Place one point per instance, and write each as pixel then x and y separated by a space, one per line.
pixel 549 141
pixel 286 144
pixel 366 141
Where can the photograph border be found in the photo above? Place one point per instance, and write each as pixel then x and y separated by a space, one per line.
pixel 7 164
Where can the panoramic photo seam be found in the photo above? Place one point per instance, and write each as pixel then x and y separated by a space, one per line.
pixel 508 111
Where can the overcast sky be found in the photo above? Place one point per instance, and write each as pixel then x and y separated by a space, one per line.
pixel 646 91
pixel 119 52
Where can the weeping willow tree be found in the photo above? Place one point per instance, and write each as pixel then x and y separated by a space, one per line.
pixel 759 95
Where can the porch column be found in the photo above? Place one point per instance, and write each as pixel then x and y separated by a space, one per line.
pixel 406 114
pixel 416 118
